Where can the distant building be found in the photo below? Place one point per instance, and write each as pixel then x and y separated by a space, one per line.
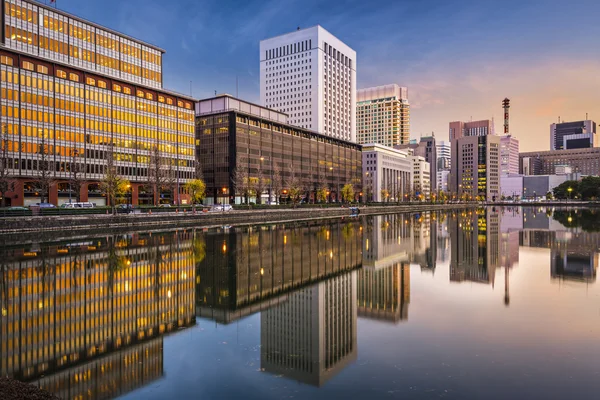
pixel 443 155
pixel 460 129
pixel 310 75
pixel 476 167
pixel 426 147
pixel 384 294
pixel 383 115
pixel 584 161
pixel 421 177
pixel 509 155
pixel 386 169
pixel 511 186
pixel 442 180
pixel 573 135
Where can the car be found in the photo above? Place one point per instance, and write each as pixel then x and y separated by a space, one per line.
pixel 81 204
pixel 16 208
pixel 164 205
pixel 222 207
pixel 43 205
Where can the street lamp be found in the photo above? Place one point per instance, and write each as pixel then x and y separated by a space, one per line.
pixel 570 189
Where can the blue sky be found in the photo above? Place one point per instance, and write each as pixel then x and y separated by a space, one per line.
pixel 459 59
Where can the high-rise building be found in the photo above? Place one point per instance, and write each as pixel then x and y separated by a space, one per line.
pixel 310 75
pixel 443 155
pixel 383 115
pixel 509 155
pixel 573 135
pixel 421 177
pixel 387 173
pixel 426 148
pixel 73 94
pixel 476 167
pixel 460 129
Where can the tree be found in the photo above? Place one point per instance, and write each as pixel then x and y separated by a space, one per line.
pixel 170 180
pixel 589 188
pixel 384 195
pixel 156 174
pixel 322 188
pixel 45 179
pixel 5 178
pixel 112 185
pixel 77 170
pixel 348 193
pixel 562 191
pixel 295 186
pixel 276 182
pixel 240 183
pixel 197 190
pixel 260 183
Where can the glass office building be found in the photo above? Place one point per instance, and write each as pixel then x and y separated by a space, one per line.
pixel 71 90
pixel 236 136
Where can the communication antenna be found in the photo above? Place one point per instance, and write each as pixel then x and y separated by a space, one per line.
pixel 506 106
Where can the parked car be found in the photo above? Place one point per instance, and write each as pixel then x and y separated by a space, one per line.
pixel 125 208
pixel 222 207
pixel 164 205
pixel 81 204
pixel 44 205
pixel 16 208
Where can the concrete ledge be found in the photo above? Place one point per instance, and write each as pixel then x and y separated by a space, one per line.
pixel 16 225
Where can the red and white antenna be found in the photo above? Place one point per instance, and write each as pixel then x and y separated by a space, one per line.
pixel 506 106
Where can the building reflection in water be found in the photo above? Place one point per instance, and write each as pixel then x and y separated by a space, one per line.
pixel 475 242
pixel 67 306
pixel 311 335
pixel 251 269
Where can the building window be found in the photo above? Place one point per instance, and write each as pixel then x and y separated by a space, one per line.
pixel 116 88
pixel 149 96
pixel 102 84
pixel 161 99
pixel 126 90
pixel 6 60
pixel 42 69
pixel 28 66
pixel 90 81
pixel 140 94
pixel 74 77
pixel 61 74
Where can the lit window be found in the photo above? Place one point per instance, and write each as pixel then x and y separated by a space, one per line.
pixel 170 102
pixel 149 96
pixel 102 84
pixel 179 103
pixel 126 90
pixel 42 69
pixel 140 93
pixel 61 74
pixel 6 60
pixel 28 66
pixel 74 77
pixel 117 88
pixel 90 81
pixel 161 99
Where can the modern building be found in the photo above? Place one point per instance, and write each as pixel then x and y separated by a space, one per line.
pixel 460 129
pixel 239 142
pixel 74 93
pixel 511 186
pixel 383 115
pixel 584 161
pixel 442 180
pixel 387 173
pixel 426 147
pixel 509 155
pixel 573 135
pixel 444 157
pixel 421 178
pixel 310 75
pixel 384 294
pixel 476 167
pixel 311 336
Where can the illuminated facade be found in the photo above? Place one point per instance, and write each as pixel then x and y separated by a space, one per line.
pixel 253 269
pixel 68 303
pixel 72 90
pixel 384 294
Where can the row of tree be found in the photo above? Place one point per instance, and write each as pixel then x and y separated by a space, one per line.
pixel 586 189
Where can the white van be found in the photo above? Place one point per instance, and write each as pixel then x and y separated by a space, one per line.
pixel 83 204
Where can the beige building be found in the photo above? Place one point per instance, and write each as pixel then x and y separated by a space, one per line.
pixel 387 173
pixel 476 167
pixel 421 177
pixel 383 115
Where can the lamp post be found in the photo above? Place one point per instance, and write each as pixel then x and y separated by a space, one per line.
pixel 570 189
pixel 129 198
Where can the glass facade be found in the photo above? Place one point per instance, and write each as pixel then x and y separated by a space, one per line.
pixel 66 101
pixel 235 141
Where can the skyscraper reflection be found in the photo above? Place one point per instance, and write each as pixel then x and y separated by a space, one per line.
pixel 311 336
pixel 250 269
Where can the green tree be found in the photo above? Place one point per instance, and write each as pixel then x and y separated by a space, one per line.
pixel 348 193
pixel 322 194
pixel 562 191
pixel 197 190
pixel 589 188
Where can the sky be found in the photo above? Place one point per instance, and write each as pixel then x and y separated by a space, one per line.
pixel 459 58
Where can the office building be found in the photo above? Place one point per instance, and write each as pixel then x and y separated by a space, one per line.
pixel 311 336
pixel 426 147
pixel 383 115
pixel 509 155
pixel 573 135
pixel 476 167
pixel 384 294
pixel 583 161
pixel 239 141
pixel 310 75
pixel 460 129
pixel 74 92
pixel 442 180
pixel 387 173
pixel 421 178
pixel 444 157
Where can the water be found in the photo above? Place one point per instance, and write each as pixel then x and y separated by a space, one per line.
pixel 496 303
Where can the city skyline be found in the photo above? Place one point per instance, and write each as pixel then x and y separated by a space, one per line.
pixel 544 73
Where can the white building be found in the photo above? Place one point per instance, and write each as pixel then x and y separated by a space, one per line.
pixel 442 180
pixel 509 155
pixel 421 177
pixel 443 155
pixel 383 115
pixel 386 169
pixel 311 75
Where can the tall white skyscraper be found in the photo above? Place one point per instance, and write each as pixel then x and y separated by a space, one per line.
pixel 310 75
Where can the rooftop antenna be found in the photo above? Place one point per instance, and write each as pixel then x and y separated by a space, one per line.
pixel 215 93
pixel 586 116
pixel 559 119
pixel 506 106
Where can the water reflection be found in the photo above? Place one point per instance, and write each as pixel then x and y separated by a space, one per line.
pixel 86 318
